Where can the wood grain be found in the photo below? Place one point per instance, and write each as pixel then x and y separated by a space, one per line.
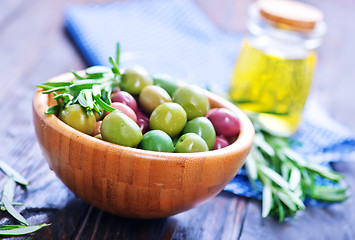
pixel 132 182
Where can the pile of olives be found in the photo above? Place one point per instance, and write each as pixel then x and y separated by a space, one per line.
pixel 154 113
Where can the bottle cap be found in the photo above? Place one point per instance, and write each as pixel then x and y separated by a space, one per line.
pixel 292 14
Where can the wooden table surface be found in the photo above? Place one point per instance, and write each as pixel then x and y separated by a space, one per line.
pixel 35 47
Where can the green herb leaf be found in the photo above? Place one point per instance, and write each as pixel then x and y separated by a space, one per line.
pixel 10 209
pixel 21 230
pixel 261 143
pixel 78 76
pixel 295 178
pixel 10 172
pixel 274 176
pixel 104 105
pixel 88 97
pixel 50 85
pixel 56 89
pixel 2 207
pixel 97 71
pixel 325 172
pixel 115 68
pixel 9 189
pixel 53 110
pixel 96 91
pixel 267 201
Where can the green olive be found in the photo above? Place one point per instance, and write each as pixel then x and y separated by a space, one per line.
pixel 167 82
pixel 118 128
pixel 77 117
pixel 193 100
pixel 152 96
pixel 169 117
pixel 189 143
pixel 157 140
pixel 134 79
pixel 204 128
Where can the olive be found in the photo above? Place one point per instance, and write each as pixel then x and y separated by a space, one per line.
pixel 143 122
pixel 167 82
pixel 152 96
pixel 77 117
pixel 225 122
pixel 193 100
pixel 98 136
pixel 97 128
pixel 204 128
pixel 169 117
pixel 125 109
pixel 98 117
pixel 157 140
pixel 189 143
pixel 221 142
pixel 118 128
pixel 134 79
pixel 125 98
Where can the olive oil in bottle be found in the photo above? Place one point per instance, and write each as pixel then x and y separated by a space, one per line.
pixel 273 86
pixel 273 73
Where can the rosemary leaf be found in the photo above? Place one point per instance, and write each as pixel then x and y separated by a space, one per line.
pixel 96 91
pixel 10 209
pixel 295 178
pixel 50 85
pixel 88 97
pixel 11 173
pixel 78 76
pixel 97 71
pixel 274 176
pixel 56 89
pixel 52 110
pixel 115 68
pixel 261 143
pixel 267 200
pixel 21 230
pixel 281 210
pixel 9 190
pixel 286 200
pixel 104 105
pixel 2 207
pixel 323 171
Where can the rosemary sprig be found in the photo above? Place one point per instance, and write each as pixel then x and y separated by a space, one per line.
pixel 288 178
pixel 91 91
pixel 7 204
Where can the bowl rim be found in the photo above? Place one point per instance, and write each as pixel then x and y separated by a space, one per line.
pixel 243 142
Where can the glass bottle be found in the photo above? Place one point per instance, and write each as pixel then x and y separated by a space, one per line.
pixel 273 73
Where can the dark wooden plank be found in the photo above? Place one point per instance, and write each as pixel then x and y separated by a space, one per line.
pixel 219 218
pixel 28 63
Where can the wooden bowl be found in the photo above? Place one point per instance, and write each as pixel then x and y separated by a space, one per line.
pixel 132 182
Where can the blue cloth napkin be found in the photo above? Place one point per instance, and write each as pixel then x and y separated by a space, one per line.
pixel 176 37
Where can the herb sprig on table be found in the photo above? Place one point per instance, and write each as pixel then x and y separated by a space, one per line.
pixel 287 177
pixel 7 204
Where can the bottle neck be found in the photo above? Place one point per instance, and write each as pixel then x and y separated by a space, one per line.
pixel 268 36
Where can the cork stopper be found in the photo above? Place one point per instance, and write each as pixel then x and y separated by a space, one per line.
pixel 293 14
